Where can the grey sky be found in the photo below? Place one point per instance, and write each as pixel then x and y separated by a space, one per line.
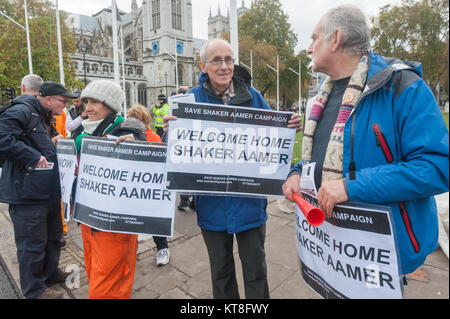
pixel 303 14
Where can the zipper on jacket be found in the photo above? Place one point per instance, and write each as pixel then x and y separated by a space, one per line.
pixel 409 230
pixel 381 142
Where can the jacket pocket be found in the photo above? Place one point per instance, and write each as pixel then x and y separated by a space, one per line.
pixel 382 143
pixel 409 230
pixel 38 185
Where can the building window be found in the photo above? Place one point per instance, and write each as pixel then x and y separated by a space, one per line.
pixel 156 15
pixel 180 74
pixel 142 95
pixel 105 68
pixel 176 14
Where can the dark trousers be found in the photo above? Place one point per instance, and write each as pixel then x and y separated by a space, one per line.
pixel 160 242
pixel 253 259
pixel 159 131
pixel 37 231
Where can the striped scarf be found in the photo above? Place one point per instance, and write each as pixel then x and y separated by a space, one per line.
pixel 334 156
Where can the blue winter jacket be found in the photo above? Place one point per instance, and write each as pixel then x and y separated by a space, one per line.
pixel 225 213
pixel 400 154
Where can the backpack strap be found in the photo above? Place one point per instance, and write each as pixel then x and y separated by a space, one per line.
pixel 32 123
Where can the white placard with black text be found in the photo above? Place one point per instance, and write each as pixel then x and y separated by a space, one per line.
pixel 120 188
pixel 228 150
pixel 66 152
pixel 353 254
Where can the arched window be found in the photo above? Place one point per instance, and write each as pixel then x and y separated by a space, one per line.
pixel 142 94
pixel 176 15
pixel 180 74
pixel 156 15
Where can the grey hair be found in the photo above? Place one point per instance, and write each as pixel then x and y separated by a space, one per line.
pixel 204 49
pixel 351 21
pixel 32 82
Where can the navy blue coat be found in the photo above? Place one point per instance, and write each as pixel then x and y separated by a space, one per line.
pixel 20 183
pixel 226 213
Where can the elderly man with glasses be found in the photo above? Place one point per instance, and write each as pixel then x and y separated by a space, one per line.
pixel 29 183
pixel 221 218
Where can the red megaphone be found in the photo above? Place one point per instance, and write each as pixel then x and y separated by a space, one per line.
pixel 313 215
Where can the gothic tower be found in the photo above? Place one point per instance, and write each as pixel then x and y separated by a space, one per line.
pixel 167 35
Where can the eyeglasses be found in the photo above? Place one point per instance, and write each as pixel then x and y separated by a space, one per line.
pixel 218 61
pixel 62 101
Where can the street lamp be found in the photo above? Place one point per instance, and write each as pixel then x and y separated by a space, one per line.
pixel 251 64
pixel 299 73
pixel 83 50
pixel 166 75
pixel 277 70
pixel 27 30
pixel 176 66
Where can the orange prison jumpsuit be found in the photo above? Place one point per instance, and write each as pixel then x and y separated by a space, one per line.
pixel 60 126
pixel 110 261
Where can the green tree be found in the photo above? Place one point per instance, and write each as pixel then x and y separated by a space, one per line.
pixel 44 45
pixel 268 26
pixel 416 31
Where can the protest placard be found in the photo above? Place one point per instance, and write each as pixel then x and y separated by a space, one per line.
pixel 353 254
pixel 120 188
pixel 230 150
pixel 66 152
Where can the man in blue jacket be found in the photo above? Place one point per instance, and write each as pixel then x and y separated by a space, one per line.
pixel 220 217
pixel 375 133
pixel 30 185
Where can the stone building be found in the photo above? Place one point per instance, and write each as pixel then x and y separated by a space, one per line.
pixel 219 24
pixel 154 37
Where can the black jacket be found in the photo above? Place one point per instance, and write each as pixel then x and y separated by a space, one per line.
pixel 20 182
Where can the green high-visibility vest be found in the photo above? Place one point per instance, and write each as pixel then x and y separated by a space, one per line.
pixel 160 112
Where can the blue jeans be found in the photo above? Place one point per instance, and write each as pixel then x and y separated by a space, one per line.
pixel 37 231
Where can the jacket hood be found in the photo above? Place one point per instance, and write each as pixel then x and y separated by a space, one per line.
pixel 242 83
pixel 382 69
pixel 239 73
pixel 133 123
pixel 31 99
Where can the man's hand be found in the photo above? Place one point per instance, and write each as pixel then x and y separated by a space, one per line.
pixel 292 185
pixel 166 120
pixel 42 163
pixel 56 138
pixel 120 139
pixel 330 194
pixel 295 122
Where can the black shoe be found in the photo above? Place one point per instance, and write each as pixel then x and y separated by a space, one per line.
pixel 182 205
pixel 62 242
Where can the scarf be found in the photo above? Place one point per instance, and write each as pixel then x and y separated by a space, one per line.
pixel 334 156
pixel 90 126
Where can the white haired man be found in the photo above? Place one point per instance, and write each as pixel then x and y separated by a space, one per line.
pixel 375 133
pixel 223 218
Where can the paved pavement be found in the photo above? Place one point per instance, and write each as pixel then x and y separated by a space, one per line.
pixel 187 276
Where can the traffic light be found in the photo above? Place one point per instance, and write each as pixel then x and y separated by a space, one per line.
pixel 10 93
